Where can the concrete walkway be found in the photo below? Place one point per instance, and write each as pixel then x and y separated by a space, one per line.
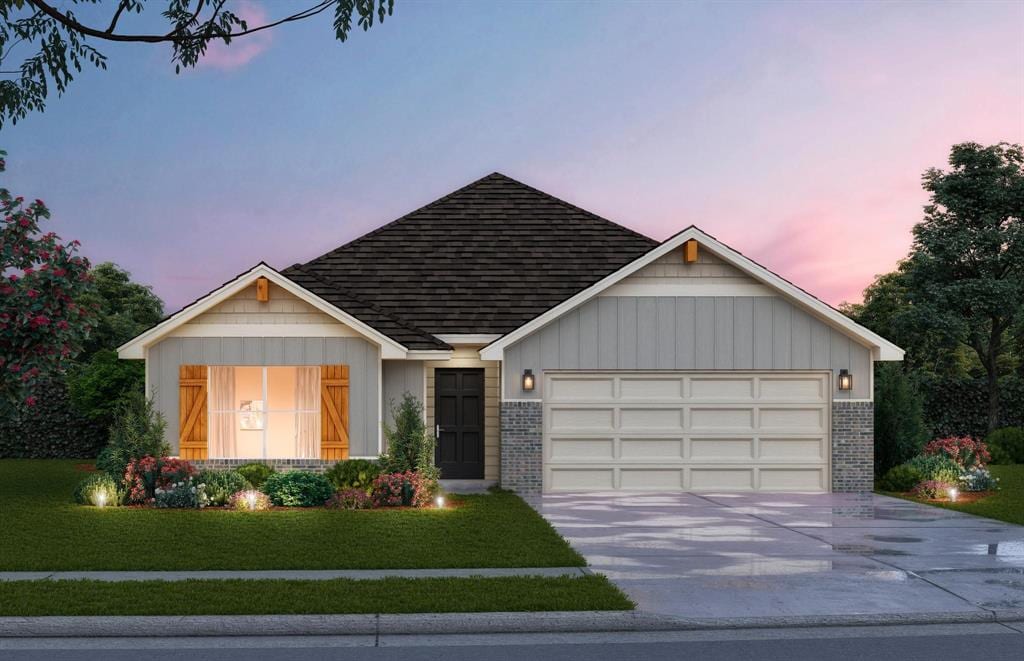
pixel 290 574
pixel 791 555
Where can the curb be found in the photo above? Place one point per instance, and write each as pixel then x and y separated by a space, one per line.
pixel 289 574
pixel 451 623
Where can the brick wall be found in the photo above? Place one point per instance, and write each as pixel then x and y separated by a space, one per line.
pixel 853 446
pixel 522 447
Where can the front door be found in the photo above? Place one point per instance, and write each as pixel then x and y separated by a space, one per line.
pixel 459 418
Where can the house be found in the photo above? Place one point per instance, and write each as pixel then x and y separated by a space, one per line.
pixel 552 350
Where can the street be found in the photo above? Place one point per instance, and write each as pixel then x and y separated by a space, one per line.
pixel 992 642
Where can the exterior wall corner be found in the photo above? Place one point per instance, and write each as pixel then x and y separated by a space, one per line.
pixel 522 442
pixel 853 446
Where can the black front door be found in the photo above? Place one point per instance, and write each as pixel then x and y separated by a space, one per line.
pixel 459 416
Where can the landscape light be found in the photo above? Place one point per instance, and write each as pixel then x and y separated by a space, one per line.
pixel 250 498
pixel 100 497
pixel 440 501
pixel 953 493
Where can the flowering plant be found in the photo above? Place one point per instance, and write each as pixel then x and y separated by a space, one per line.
pixel 967 452
pixel 394 489
pixel 184 493
pixel 932 489
pixel 349 499
pixel 249 500
pixel 143 476
pixel 979 479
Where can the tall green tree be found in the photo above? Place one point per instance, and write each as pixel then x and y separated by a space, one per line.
pixel 53 39
pixel 965 275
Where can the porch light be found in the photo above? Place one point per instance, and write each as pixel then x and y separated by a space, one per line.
pixel 845 380
pixel 953 493
pixel 528 382
pixel 439 501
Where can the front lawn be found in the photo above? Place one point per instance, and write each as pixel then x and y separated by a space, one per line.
pixel 42 529
pixel 1007 504
pixel 236 597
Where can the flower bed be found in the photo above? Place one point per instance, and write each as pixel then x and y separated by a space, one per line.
pixel 947 470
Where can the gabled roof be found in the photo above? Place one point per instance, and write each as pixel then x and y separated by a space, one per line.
pixel 485 259
pixel 882 349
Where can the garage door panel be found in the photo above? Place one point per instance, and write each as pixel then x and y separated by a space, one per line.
pixel 669 449
pixel 687 431
pixel 729 449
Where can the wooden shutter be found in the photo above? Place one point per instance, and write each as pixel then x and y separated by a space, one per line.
pixel 334 412
pixel 192 425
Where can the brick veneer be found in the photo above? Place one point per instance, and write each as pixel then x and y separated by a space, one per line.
pixel 853 446
pixel 522 449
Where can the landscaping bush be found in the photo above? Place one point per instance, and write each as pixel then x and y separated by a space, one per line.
pixel 349 499
pixel 933 489
pixel 959 406
pixel 979 479
pixel 411 446
pixel 900 431
pixel 144 476
pixel 936 468
pixel 137 431
pixel 298 489
pixel 901 478
pixel 96 489
pixel 52 429
pixel 405 489
pixel 255 473
pixel 186 493
pixel 249 500
pixel 967 452
pixel 354 474
pixel 1006 445
pixel 221 484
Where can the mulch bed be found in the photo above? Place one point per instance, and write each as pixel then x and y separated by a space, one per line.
pixel 964 497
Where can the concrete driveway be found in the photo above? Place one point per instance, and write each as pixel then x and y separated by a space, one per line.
pixel 766 555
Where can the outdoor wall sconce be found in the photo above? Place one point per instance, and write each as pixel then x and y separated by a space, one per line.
pixel 528 382
pixel 845 380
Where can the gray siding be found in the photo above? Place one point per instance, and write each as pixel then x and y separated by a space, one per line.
pixel 361 356
pixel 400 377
pixel 687 333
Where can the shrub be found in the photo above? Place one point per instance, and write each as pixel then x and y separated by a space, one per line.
pixel 1006 445
pixel 395 489
pixel 98 489
pixel 255 473
pixel 900 431
pixel 979 479
pixel 298 489
pixel 900 478
pixel 354 474
pixel 52 429
pixel 965 451
pixel 937 468
pixel 144 476
pixel 137 431
pixel 221 484
pixel 411 445
pixel 349 499
pixel 184 493
pixel 249 500
pixel 933 489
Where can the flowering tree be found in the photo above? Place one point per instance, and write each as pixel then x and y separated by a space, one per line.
pixel 41 279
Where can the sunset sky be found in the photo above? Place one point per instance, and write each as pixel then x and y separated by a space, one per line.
pixel 796 132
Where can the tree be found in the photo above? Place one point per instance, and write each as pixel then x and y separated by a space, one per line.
pixel 123 308
pixel 42 322
pixel 58 38
pixel 900 432
pixel 965 273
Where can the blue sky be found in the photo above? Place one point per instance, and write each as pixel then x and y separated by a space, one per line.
pixel 797 132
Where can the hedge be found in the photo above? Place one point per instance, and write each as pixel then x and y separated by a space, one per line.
pixel 52 429
pixel 959 407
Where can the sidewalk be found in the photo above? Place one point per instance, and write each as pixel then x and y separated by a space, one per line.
pixel 290 574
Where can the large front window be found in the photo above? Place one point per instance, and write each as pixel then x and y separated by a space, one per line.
pixel 264 412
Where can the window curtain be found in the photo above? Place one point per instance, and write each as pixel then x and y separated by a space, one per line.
pixel 223 441
pixel 307 419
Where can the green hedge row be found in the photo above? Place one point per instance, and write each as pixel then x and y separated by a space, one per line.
pixel 52 429
pixel 959 407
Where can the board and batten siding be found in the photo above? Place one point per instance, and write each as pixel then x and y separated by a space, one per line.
pixel 400 377
pixel 687 333
pixel 362 357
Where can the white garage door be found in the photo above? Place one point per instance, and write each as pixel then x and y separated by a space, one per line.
pixel 718 431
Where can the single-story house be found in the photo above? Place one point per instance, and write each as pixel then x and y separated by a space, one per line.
pixel 552 350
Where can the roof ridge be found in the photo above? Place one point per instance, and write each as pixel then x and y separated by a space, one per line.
pixel 372 306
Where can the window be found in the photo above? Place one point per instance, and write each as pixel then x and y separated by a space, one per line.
pixel 264 412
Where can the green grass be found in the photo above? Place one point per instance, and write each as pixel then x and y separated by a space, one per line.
pixel 1007 504
pixel 391 595
pixel 42 529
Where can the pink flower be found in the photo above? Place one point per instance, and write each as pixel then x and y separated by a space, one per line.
pixel 32 293
pixel 30 400
pixel 63 325
pixel 24 222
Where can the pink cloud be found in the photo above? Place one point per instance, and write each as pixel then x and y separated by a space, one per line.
pixel 241 50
